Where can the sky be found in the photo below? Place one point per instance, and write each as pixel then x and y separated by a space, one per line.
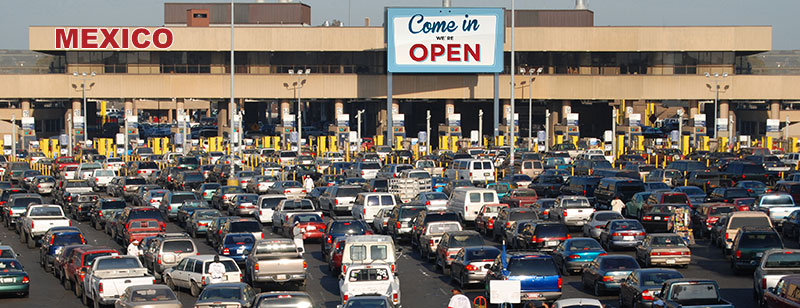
pixel 17 15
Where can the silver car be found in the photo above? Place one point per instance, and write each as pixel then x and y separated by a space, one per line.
pixel 148 296
pixel 43 184
pixel 597 221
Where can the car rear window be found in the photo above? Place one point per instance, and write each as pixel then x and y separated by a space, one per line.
pixel 179 198
pixel 717 210
pixel 618 264
pixel 776 200
pixel 111 205
pixel 240 239
pixel 668 241
pixel 154 214
pixel 299 204
pixel 584 244
pixel 739 222
pixel 77 184
pixel 46 211
pixel 676 199
pixel 408 212
pixel 348 191
pixel 466 240
pixel 760 240
pixel 532 267
pixel 118 263
pixel 575 203
pixel 482 254
pixel 441 217
pixel 245 226
pixel 135 181
pixel 68 238
pixel 554 230
pixel 147 165
pixel 523 215
pixel 152 295
pixel 270 203
pixel 783 260
pixel 347 228
pixel 145 224
pixel 607 216
pixel 652 279
pixel 626 225
pixel 178 246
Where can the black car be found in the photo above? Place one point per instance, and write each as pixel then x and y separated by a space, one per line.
pixel 336 228
pixel 750 244
pixel 606 273
pixel 544 236
pixel 610 188
pixel 638 288
pixel 547 186
pixel 727 194
pixel 746 171
pixel 581 186
pixel 791 226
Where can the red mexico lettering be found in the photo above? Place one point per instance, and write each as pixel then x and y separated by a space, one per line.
pixel 88 38
pixel 109 37
pixel 166 33
pixel 66 38
pixel 136 35
pixel 125 38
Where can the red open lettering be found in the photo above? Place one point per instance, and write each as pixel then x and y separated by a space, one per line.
pixel 66 38
pixel 436 50
pixel 88 35
pixel 413 55
pixel 476 53
pixel 453 54
pixel 135 38
pixel 109 38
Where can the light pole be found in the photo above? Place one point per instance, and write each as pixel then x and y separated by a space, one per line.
pixel 511 125
pixel 480 127
pixel 231 105
pixel 83 77
pixel 358 117
pixel 297 85
pixel 428 131
pixel 530 73
pixel 716 78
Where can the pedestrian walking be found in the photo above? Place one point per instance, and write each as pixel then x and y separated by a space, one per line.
pixel 459 300
pixel 617 205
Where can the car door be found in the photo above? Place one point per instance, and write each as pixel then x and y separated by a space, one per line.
pixel 642 249
pixel 179 275
pixel 627 288
pixel 457 266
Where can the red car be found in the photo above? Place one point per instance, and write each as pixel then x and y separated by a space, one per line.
pixel 335 260
pixel 81 260
pixel 484 222
pixel 312 225
pixel 708 215
pixel 138 229
pixel 520 197
pixel 743 204
pixel 64 161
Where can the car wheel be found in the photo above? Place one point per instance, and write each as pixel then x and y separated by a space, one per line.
pixel 462 281
pixel 194 233
pixel 77 289
pixel 84 299
pixel 195 290
pixel 597 291
pixel 168 281
pixel 31 242
pixel 67 284
pixel 564 269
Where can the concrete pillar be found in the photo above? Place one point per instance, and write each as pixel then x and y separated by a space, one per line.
pixel 222 118
pixel 693 108
pixel 506 112
pixel 775 110
pixel 338 109
pixel 129 106
pixel 449 108
pixel 25 105
pixel 566 109
pixel 723 109
pixel 285 111
pixel 67 115
pixel 76 106
pixel 554 116
pixel 395 106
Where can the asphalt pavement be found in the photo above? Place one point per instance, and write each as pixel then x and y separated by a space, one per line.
pixel 421 285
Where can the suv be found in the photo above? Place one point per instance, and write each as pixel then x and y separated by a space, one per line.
pixel 739 220
pixel 423 218
pixel 537 273
pixel 581 186
pixel 610 188
pixel 750 244
pixel 746 171
pixel 507 216
pixel 166 250
pixel 586 166
pixel 451 243
pixel 398 224
pixel 727 194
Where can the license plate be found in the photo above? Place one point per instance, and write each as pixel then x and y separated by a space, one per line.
pixel 486 174
pixel 280 277
pixel 759 254
pixel 9 280
pixel 533 295
pixel 551 243
pixel 627 238
pixel 670 261
pixel 657 218
pixel 240 251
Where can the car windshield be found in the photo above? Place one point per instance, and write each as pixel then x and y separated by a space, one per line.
pixel 575 203
pixel 612 264
pixel 607 216
pixel 667 241
pixel 178 246
pixel 152 295
pixel 120 262
pixel 10 265
pixel 752 184
pixel 457 241
pixel 652 279
pixel 533 266
pixel 408 212
pixel 587 244
pixel 783 260
pixel 221 294
pixel 760 240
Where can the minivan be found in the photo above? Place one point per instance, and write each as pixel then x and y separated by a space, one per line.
pixel 467 201
pixel 475 170
pixel 366 249
pixel 367 205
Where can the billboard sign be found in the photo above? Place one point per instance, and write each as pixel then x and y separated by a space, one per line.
pixel 573 119
pixel 399 120
pixel 452 40
pixel 635 119
pixel 722 124
pixel 454 119
pixel 343 119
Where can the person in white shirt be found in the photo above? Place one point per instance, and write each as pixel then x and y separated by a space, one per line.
pixel 133 249
pixel 216 270
pixel 617 205
pixel 308 184
pixel 459 300
pixel 297 232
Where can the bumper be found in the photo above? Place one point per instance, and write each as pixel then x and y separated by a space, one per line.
pixel 576 265
pixel 313 235
pixel 201 229
pixel 612 286
pixel 621 243
pixel 244 212
pixel 746 264
pixel 16 288
pixel 280 278
pixel 44 190
pixel 542 296
pixel 655 226
pixel 107 300
pixel 575 223
pixel 475 277
pixel 670 260
pixel 595 232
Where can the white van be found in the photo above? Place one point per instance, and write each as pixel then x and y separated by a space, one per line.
pixel 475 170
pixel 366 249
pixel 466 202
pixel 367 205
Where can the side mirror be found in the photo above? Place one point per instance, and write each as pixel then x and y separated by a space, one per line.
pixel 487 266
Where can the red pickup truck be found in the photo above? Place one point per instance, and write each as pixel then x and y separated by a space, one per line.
pixel 82 259
pixel 138 229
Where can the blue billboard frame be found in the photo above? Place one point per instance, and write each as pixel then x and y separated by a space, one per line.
pixel 393 67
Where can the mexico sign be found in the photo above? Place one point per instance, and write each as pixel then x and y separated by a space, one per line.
pixel 444 40
pixel 100 38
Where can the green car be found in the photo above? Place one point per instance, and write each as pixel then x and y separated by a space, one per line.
pixel 13 278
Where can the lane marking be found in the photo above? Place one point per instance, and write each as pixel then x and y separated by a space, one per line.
pixel 424 273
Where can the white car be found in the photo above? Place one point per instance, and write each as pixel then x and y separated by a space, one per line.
pixel 578 302
pixel 186 276
pixel 113 163
pixel 100 178
pixel 597 221
pixel 266 207
pixel 376 279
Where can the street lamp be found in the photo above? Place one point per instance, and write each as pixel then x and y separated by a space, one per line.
pixel 716 78
pixel 530 74
pixel 297 85
pixel 358 117
pixel 83 77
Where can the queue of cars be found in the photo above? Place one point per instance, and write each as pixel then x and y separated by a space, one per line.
pixel 360 225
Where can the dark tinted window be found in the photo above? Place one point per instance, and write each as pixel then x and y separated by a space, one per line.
pixel 110 205
pixel 465 240
pixel 482 254
pixel 347 228
pixel 348 191
pixel 151 214
pixel 736 193
pixel 147 165
pixel 753 169
pixel 135 181
pixel 178 246
pixel 524 215
pixel 270 203
pixel 760 240
pixel 532 267
pixel 68 238
pixel 23 202
pixel 245 226
pixel 179 198
pixel 407 212
pixel 554 230
pixel 657 278
pixel 239 239
pixel 626 225
pixel 441 217
pixel 610 264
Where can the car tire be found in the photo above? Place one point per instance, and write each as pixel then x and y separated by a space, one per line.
pixel 84 299
pixel 77 290
pixel 195 290
pixel 170 284
pixel 194 233
pixel 31 242
pixel 564 270
pixel 596 290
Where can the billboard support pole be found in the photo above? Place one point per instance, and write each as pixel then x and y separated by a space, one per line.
pixel 496 104
pixel 389 123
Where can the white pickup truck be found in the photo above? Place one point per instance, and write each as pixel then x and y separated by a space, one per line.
pixel 40 218
pixel 376 279
pixel 286 209
pixel 109 276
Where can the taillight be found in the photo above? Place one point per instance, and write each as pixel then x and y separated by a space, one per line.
pixel 738 254
pixel 335 201
pixel 430 242
pixel 32 226
pixel 330 239
pixel 648 218
pixel 394 297
pixel 560 283
pixel 346 297
pixel 226 251
pixel 763 283
pixel 153 200
pixel 398 225
pixel 427 203
pixel 647 295
pixel 255 267
pixel 727 236
pixel 608 278
pixel 575 257
pixel 26 279
pixel 286 191
pixel 565 213
pixel 305 265
pixel 534 239
pixel 100 288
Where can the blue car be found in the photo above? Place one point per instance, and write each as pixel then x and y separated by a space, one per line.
pixel 54 241
pixel 438 183
pixel 606 273
pixel 574 253
pixel 539 278
pixel 237 245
